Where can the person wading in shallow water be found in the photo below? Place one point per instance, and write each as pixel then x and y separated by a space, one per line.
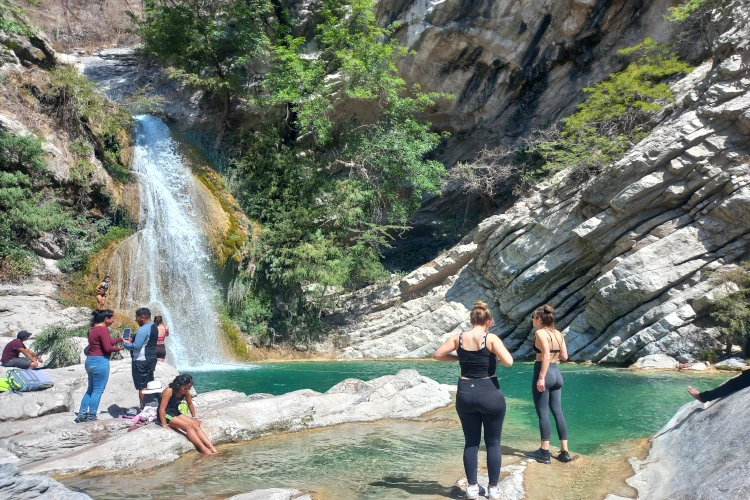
pixel 161 349
pixel 546 386
pixel 170 415
pixel 101 293
pixel 479 400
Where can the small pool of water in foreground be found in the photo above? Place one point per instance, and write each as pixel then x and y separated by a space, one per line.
pixel 400 459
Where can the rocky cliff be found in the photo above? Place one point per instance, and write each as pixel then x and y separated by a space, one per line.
pixel 624 256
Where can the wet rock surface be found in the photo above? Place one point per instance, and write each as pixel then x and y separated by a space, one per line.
pixel 626 256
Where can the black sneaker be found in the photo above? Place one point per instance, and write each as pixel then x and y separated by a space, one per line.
pixel 80 418
pixel 91 417
pixel 540 455
pixel 564 456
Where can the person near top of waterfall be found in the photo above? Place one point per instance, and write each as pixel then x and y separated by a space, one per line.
pixel 161 349
pixel 143 351
pixel 479 401
pixel 101 293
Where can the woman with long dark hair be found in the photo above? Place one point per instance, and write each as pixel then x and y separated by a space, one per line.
pixel 479 401
pixel 161 349
pixel 101 346
pixel 170 415
pixel 546 386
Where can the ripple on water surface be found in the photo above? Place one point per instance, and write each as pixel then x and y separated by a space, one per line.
pixel 399 459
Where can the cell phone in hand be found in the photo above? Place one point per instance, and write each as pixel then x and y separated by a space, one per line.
pixel 126 334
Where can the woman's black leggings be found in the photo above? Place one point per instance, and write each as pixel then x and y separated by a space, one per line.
pixel 480 402
pixel 549 400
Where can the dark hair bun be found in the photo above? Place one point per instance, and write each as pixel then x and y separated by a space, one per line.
pixel 548 309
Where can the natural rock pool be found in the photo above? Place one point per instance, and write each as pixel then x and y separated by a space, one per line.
pixel 398 459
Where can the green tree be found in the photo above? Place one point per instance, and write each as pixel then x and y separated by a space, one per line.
pixel 328 185
pixel 207 44
pixel 732 312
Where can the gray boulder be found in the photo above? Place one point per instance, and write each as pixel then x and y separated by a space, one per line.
pixel 17 486
pixel 699 454
pixel 241 418
pixel 731 364
pixel 49 245
pixel 656 362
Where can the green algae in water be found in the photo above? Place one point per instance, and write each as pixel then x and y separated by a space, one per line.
pixel 400 459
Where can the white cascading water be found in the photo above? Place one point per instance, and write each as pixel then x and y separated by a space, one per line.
pixel 166 265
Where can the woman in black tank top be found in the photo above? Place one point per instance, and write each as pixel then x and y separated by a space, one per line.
pixel 479 401
pixel 170 415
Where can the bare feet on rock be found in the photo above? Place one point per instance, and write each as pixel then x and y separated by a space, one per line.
pixel 695 393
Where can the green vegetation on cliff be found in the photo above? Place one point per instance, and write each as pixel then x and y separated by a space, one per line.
pixel 328 186
pixel 616 113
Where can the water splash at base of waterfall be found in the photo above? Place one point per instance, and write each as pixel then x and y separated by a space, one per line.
pixel 166 265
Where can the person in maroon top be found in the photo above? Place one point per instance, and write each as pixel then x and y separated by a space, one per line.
pixel 101 346
pixel 11 353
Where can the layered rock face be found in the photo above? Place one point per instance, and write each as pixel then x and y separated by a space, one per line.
pixel 514 65
pixel 625 257
pixel 698 454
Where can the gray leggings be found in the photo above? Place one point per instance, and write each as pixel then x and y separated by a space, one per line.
pixel 549 400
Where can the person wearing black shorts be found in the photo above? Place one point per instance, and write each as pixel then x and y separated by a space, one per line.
pixel 143 351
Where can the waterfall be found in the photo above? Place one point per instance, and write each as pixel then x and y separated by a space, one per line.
pixel 166 265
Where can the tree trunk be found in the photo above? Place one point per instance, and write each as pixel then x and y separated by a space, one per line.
pixel 224 118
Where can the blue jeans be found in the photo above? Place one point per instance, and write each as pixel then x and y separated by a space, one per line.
pixel 97 368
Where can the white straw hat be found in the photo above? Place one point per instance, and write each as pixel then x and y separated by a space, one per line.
pixel 153 387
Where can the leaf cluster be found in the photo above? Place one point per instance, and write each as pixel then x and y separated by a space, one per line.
pixel 732 312
pixel 56 345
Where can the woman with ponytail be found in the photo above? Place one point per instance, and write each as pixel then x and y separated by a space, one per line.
pixel 546 386
pixel 479 401
pixel 170 415
pixel 101 346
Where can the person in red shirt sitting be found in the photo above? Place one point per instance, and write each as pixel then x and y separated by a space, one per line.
pixel 101 346
pixel 11 353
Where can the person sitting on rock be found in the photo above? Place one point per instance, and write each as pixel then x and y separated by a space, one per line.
pixel 170 415
pixel 11 353
pixel 729 387
pixel 101 293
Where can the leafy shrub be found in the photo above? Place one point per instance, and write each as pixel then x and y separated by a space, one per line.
pixel 732 312
pixel 709 355
pixel 691 8
pixel 12 20
pixel 617 112
pixel 55 344
pixel 90 119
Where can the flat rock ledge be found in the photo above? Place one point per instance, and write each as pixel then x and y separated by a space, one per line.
pixel 53 444
pixel 700 453
pixel 273 494
pixel 19 486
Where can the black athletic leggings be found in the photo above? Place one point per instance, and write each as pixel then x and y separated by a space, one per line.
pixel 728 387
pixel 480 402
pixel 549 400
